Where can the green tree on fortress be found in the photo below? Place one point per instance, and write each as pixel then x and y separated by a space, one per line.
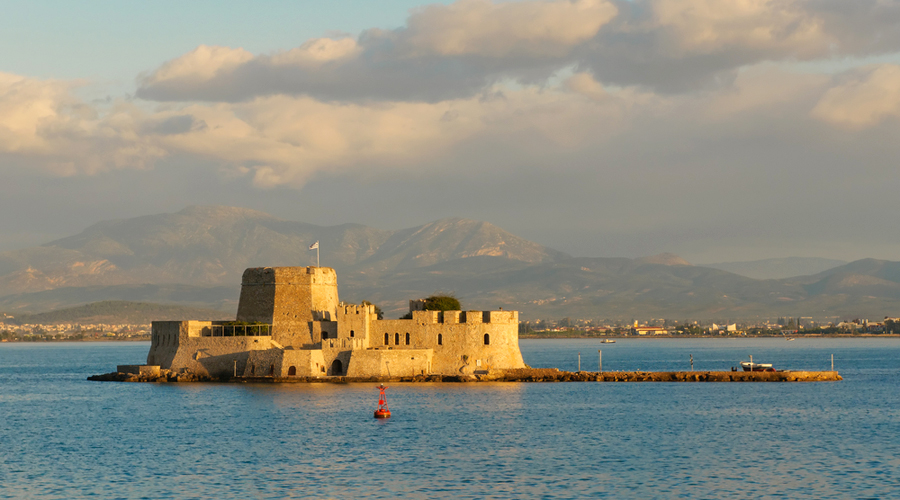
pixel 441 302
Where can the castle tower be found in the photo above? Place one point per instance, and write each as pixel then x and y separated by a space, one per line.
pixel 289 298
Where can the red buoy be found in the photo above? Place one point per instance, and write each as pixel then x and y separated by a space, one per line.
pixel 382 411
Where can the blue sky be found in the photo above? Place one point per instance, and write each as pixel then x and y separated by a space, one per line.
pixel 714 130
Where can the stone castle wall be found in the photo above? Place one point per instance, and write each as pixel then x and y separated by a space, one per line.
pixel 462 341
pixel 390 363
pixel 179 345
pixel 283 363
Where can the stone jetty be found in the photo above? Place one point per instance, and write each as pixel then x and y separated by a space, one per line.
pixel 127 374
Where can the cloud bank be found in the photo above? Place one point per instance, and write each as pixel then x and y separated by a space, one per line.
pixel 45 127
pixel 453 51
pixel 653 97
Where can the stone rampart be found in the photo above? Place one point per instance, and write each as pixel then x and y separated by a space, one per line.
pixel 389 363
pixel 284 363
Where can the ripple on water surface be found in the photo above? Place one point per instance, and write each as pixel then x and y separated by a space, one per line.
pixel 65 437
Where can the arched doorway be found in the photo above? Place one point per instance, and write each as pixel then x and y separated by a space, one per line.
pixel 292 371
pixel 337 368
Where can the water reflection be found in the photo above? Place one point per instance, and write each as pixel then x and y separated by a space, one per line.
pixel 65 437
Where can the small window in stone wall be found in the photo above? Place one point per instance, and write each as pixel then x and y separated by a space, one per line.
pixel 407 338
pixel 487 339
pixel 351 333
pixel 387 338
pixel 252 369
pixel 396 339
pixel 440 339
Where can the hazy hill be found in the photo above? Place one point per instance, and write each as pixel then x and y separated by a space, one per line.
pixel 195 258
pixel 591 287
pixel 117 312
pixel 196 246
pixel 219 298
pixel 778 268
pixel 453 239
pixel 213 245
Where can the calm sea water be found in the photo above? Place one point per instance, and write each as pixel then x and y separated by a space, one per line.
pixel 64 437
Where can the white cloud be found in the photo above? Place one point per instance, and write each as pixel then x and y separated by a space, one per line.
pixel 765 26
pixel 484 28
pixel 287 140
pixel 584 84
pixel 316 52
pixel 43 125
pixel 867 97
pixel 198 67
pixel 26 107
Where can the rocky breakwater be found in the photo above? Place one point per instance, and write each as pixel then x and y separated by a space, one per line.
pixel 144 373
pixel 554 375
pixel 155 374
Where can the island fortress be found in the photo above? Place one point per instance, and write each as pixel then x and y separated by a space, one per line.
pixel 290 324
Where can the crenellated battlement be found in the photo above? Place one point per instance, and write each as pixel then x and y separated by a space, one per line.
pixel 465 317
pixel 355 309
pixel 303 276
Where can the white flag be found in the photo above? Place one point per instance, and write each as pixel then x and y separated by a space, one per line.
pixel 314 245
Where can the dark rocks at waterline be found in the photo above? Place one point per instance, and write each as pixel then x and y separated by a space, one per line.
pixel 162 376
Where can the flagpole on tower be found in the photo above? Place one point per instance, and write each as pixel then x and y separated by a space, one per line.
pixel 315 246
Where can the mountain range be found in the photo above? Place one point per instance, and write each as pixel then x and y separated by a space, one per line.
pixel 195 258
pixel 767 269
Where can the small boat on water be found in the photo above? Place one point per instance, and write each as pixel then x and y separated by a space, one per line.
pixel 608 341
pixel 750 366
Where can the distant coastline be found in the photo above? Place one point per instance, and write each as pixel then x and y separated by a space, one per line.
pixel 531 337
pixel 145 338
pixel 578 335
